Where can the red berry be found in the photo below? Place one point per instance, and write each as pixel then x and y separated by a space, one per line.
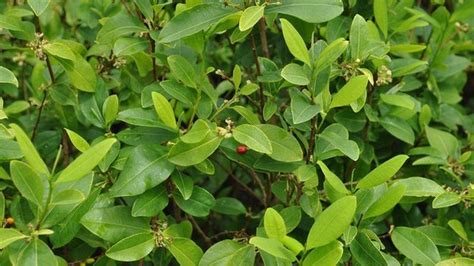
pixel 242 149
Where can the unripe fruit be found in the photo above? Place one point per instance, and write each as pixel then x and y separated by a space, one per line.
pixel 10 220
pixel 90 260
pixel 241 149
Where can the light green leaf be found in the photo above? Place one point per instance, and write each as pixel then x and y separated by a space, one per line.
pixel 445 200
pixel 86 162
pixel 348 94
pixel 151 202
pixel 61 50
pixel 455 262
pixel 332 222
pixel 129 46
pixel 329 254
pixel 381 15
pixel 295 42
pixel 250 17
pixel 38 6
pixel 199 204
pixel 415 245
pixel 228 252
pixel 444 142
pixel 399 128
pixel 118 26
pixel 358 38
pixel 285 147
pixel 365 252
pixel 6 76
pixel 182 70
pixel 335 136
pixel 28 182
pixel 383 172
pixel 164 110
pixel 457 226
pixel 185 251
pixel 420 187
pixel 274 224
pixel 193 20
pixel 197 133
pixel 332 179
pixel 312 11
pixel 184 183
pixel 229 206
pixel 8 236
pixel 388 200
pixel 132 248
pixel 110 109
pixel 253 137
pixel 31 154
pixel 295 74
pixel 67 197
pixel 81 144
pixel 36 253
pixel 274 247
pixel 302 109
pixel 80 73
pixel 185 154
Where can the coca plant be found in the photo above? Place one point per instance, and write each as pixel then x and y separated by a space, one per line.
pixel 227 132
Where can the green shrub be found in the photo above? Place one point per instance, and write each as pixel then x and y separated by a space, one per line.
pixel 231 132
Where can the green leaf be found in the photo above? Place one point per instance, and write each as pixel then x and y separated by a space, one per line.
pixel 38 6
pixel 80 73
pixel 250 17
pixel 132 248
pixel 415 245
pixel 193 20
pixel 273 247
pixel 182 70
pixel 247 114
pixel 8 236
pixel 129 46
pixel 365 252
pixel 312 11
pixel 295 74
pixel 31 154
pixel 348 94
pixel 228 252
pixel 329 254
pixel 67 197
pixel 81 144
pixel 445 200
pixel 86 162
pixel 61 50
pixel 457 226
pixel 164 110
pixel 302 109
pixel 118 26
pixel 198 132
pixel 28 182
pixel 10 150
pixel 294 42
pixel 332 179
pixel 388 200
pixel 199 204
pixel 2 207
pixel 229 206
pixel 184 183
pixel 359 38
pixel 36 253
pixel 444 142
pixel 253 137
pixel 145 168
pixel 185 154
pixel 114 223
pixel 381 15
pixel 335 136
pixel 6 76
pixel 441 236
pixel 151 202
pixel 185 251
pixel 456 261
pixel 331 53
pixel 399 128
pixel 383 172
pixel 420 187
pixel 332 222
pixel 285 147
pixel 274 224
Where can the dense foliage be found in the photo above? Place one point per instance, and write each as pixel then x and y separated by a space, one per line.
pixel 236 132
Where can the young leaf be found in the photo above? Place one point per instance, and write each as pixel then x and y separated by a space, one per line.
pixel 329 254
pixel 332 222
pixel 332 179
pixel 164 110
pixel 312 11
pixel 31 154
pixel 285 147
pixel 80 143
pixel 86 162
pixel 28 182
pixel 295 74
pixel 253 137
pixel 6 76
pixel 8 236
pixel 198 132
pixel 445 200
pixel 457 227
pixel 182 70
pixel 359 38
pixel 110 109
pixel 132 248
pixel 381 15
pixel 184 154
pixel 38 6
pixel 273 247
pixel 294 42
pixel 250 17
pixel 302 109
pixel 185 251
pixel 274 224
pixel 444 142
pixel 383 172
pixel 228 252
pixel 353 89
pixel 388 200
pixel 415 245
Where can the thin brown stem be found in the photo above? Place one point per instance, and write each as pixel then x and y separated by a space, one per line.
pixel 196 226
pixel 263 37
pixel 43 101
pixel 259 73
pixel 257 180
pixel 312 139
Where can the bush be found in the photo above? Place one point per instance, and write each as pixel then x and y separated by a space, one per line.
pixel 230 132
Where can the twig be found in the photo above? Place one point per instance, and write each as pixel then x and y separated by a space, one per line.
pixel 45 95
pixel 263 37
pixel 312 139
pixel 260 185
pixel 259 73
pixel 207 240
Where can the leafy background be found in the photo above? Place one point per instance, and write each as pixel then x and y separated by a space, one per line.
pixel 205 132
